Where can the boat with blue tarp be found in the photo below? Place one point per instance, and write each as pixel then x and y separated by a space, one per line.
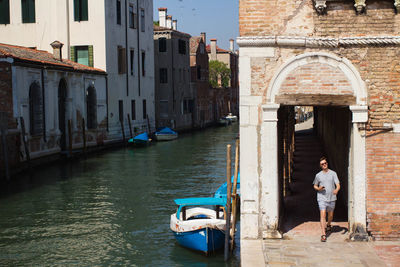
pixel 165 134
pixel 222 190
pixel 199 228
pixel 140 140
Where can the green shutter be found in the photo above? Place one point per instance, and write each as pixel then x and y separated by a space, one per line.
pixel 76 10
pixel 84 10
pixel 32 11
pixel 4 11
pixel 90 49
pixel 73 54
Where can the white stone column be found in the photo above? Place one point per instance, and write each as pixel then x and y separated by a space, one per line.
pixel 249 182
pixel 269 204
pixel 359 183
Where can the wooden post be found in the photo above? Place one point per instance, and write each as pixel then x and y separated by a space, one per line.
pixel 130 125
pixel 84 135
pixel 234 194
pixel 4 128
pixel 70 137
pixel 148 124
pixel 28 156
pixel 122 129
pixel 228 203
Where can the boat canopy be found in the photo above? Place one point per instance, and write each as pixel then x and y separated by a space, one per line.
pixel 198 201
pixel 143 136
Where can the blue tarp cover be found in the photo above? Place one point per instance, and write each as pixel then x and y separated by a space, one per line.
pixel 166 130
pixel 142 136
pixel 200 201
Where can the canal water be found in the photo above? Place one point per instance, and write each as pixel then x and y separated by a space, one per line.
pixel 113 208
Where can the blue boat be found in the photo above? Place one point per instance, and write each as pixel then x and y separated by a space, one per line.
pixel 222 190
pixel 199 228
pixel 165 134
pixel 140 140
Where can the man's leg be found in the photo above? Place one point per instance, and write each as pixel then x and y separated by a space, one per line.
pixel 330 217
pixel 323 221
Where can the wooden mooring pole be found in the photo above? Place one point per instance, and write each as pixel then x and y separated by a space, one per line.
pixel 130 125
pixel 23 132
pixel 70 137
pixel 228 203
pixel 84 136
pixel 234 195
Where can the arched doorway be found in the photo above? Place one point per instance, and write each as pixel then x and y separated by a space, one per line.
pixel 62 98
pixel 327 81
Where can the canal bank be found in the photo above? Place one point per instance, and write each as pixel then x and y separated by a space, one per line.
pixel 113 208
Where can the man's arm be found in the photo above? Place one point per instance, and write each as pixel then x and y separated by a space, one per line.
pixel 337 189
pixel 318 188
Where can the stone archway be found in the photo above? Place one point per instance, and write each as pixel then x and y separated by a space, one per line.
pixel 345 87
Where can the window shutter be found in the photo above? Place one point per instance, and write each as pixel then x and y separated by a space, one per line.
pixel 25 11
pixel 4 11
pixel 90 50
pixel 123 60
pixel 31 11
pixel 85 10
pixel 76 10
pixel 73 53
pixel 35 109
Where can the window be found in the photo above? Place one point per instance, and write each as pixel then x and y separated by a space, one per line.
pixel 132 17
pixel 162 45
pixel 118 12
pixel 164 108
pixel 91 107
pixel 35 109
pixel 121 60
pixel 143 63
pixel 163 75
pixel 142 24
pixel 144 109
pixel 81 10
pixel 28 11
pixel 133 109
pixel 182 47
pixel 132 58
pixel 82 54
pixel 4 11
pixel 121 110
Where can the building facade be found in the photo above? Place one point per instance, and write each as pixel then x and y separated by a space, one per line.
pixel 342 57
pixel 231 59
pixel 204 94
pixel 174 96
pixel 115 36
pixel 50 105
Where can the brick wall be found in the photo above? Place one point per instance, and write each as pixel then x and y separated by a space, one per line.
pixel 379 67
pixel 383 185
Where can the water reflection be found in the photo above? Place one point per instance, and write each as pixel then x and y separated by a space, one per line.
pixel 112 208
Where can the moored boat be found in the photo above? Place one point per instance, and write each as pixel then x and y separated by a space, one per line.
pixel 222 190
pixel 140 140
pixel 224 121
pixel 165 134
pixel 199 228
pixel 231 117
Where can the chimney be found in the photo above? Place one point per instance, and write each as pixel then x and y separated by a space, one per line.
pixel 162 16
pixel 231 43
pixel 175 24
pixel 203 36
pixel 169 22
pixel 213 49
pixel 57 49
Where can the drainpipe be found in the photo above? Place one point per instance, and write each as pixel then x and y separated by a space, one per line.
pixel 138 43
pixel 43 107
pixel 172 73
pixel 68 32
pixel 108 129
pixel 126 48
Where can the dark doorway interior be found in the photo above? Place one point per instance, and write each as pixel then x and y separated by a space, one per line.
pixel 325 133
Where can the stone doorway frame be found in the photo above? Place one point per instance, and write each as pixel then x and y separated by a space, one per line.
pixel 268 186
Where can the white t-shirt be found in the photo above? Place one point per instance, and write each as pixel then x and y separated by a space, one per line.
pixel 329 180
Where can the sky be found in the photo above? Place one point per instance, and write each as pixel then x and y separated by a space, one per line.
pixel 219 19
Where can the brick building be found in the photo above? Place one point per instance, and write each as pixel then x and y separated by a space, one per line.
pixel 343 58
pixel 47 92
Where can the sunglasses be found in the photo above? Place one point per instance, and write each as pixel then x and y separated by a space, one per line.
pixel 324 163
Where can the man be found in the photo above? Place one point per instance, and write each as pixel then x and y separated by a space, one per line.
pixel 327 185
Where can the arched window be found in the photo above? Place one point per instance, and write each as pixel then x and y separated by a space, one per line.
pixel 91 104
pixel 35 109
